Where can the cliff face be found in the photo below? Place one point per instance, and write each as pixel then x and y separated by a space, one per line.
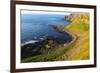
pixel 69 18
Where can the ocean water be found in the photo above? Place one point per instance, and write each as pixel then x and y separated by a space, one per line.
pixel 35 27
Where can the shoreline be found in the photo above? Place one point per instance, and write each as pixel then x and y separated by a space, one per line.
pixel 61 49
pixel 61 29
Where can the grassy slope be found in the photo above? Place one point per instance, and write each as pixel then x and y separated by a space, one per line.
pixel 80 27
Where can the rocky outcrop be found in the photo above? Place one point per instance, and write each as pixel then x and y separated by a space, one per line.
pixel 59 28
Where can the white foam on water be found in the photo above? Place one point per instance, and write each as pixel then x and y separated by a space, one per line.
pixel 29 42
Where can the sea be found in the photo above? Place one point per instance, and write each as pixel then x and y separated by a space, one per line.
pixel 37 27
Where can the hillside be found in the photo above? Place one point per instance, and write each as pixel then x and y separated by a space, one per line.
pixel 79 26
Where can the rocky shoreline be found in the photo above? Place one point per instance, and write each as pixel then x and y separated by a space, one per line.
pixel 49 43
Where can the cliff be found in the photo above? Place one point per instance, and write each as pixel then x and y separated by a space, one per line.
pixel 79 21
pixel 79 26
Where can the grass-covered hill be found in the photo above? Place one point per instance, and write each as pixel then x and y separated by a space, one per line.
pixel 79 22
pixel 79 26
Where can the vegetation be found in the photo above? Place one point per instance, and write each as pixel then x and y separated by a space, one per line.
pixel 50 51
pixel 80 27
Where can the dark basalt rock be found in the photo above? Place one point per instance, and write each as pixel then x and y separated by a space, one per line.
pixel 34 48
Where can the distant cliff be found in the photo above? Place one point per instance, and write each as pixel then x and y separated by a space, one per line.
pixel 80 19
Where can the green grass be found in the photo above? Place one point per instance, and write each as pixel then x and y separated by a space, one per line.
pixel 80 26
pixel 50 55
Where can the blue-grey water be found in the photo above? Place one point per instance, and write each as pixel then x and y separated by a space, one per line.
pixel 38 26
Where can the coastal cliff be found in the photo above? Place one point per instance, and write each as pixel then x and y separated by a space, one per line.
pixel 79 26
